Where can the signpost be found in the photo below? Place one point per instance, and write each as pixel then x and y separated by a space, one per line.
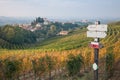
pixel 97 27
pixel 96 45
pixel 96 31
pixel 96 34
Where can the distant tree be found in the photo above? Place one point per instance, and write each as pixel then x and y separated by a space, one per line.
pixel 33 23
pixel 39 20
pixel 53 28
pixel 52 31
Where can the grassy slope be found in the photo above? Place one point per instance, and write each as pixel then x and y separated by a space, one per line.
pixel 74 40
pixel 78 39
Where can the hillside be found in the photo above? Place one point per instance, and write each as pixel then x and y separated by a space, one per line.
pixel 51 56
pixel 12 37
pixel 73 40
pixel 77 39
pixel 26 35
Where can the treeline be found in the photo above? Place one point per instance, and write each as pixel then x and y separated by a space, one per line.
pixel 15 37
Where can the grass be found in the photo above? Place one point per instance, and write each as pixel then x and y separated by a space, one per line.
pixel 74 40
pixel 78 39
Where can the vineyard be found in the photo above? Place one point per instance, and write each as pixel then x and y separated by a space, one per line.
pixel 63 58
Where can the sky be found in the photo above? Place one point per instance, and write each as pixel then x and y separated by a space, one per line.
pixel 60 8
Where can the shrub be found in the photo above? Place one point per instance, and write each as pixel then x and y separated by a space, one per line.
pixel 11 67
pixel 109 64
pixel 74 64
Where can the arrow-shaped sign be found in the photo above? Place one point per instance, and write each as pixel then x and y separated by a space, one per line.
pixel 96 34
pixel 97 27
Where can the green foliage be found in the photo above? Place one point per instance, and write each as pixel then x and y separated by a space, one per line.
pixel 74 40
pixel 42 65
pixel 66 26
pixel 49 62
pixel 39 66
pixel 35 67
pixel 1 70
pixel 87 58
pixel 38 20
pixel 74 64
pixel 110 49
pixel 52 31
pixel 109 64
pixel 11 67
pixel 11 37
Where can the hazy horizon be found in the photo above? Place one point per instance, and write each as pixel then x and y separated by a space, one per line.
pixel 60 8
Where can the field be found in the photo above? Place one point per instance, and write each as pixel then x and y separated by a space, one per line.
pixel 52 55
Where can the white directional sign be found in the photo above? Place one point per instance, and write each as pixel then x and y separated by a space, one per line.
pixel 97 27
pixel 95 34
